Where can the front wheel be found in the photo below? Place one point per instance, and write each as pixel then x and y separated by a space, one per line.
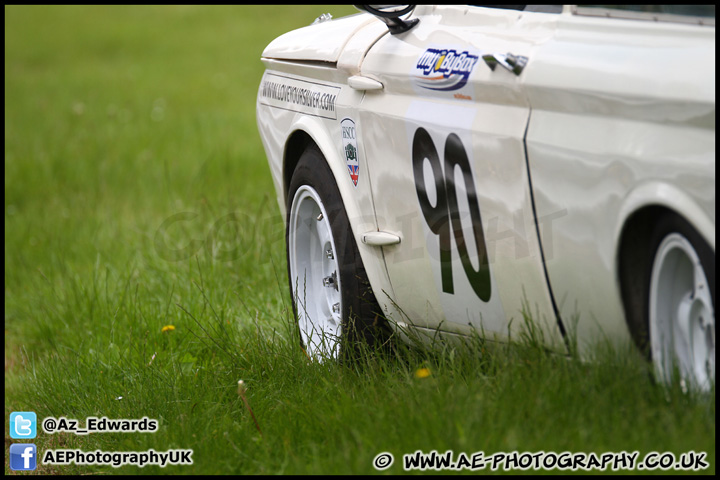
pixel 333 302
pixel 681 300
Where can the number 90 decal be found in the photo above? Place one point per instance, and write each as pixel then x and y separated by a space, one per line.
pixel 443 219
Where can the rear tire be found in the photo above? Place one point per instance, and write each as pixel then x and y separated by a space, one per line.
pixel 680 306
pixel 334 305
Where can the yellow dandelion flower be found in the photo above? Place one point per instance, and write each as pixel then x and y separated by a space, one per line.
pixel 168 328
pixel 422 373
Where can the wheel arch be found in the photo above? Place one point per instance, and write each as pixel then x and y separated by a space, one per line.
pixel 642 209
pixel 294 148
pixel 305 132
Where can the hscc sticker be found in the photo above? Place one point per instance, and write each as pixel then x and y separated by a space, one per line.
pixel 300 96
pixel 350 150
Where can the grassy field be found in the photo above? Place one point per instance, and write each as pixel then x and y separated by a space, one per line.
pixel 137 197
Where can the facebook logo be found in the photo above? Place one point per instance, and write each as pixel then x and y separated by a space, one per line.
pixel 23 425
pixel 23 456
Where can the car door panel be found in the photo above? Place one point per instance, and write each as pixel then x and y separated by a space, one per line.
pixel 484 118
pixel 610 118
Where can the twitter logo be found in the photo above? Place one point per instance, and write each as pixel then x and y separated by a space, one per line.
pixel 23 425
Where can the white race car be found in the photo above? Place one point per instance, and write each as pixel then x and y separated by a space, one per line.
pixel 454 167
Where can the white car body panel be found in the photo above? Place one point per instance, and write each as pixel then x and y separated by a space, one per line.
pixel 322 42
pixel 584 107
pixel 275 126
pixel 491 127
pixel 602 124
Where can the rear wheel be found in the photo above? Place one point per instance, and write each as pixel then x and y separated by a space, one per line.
pixel 681 304
pixel 333 302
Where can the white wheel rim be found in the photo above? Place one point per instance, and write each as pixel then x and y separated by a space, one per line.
pixel 682 319
pixel 313 260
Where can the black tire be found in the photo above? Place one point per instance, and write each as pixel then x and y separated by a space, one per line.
pixel 638 297
pixel 362 321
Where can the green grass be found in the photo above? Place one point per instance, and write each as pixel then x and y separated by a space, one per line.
pixel 137 195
